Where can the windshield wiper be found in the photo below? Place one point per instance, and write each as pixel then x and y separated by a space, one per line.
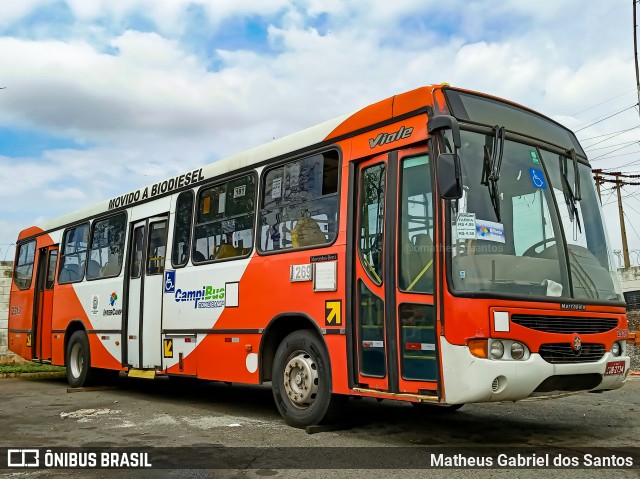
pixel 491 167
pixel 571 198
pixel 576 175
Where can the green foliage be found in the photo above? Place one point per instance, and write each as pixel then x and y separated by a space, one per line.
pixel 29 368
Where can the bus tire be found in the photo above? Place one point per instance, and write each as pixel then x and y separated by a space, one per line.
pixel 301 381
pixel 78 360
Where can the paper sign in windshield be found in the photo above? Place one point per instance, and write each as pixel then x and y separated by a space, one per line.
pixel 489 231
pixel 466 226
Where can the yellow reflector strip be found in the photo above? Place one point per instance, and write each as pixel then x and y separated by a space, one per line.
pixel 142 373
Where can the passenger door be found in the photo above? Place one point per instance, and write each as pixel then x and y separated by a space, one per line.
pixel 47 261
pixel 395 332
pixel 147 255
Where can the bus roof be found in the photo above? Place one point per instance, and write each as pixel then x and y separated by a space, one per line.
pixel 362 119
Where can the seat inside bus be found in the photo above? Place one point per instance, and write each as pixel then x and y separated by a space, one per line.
pixel 69 273
pixel 307 232
pixel 416 263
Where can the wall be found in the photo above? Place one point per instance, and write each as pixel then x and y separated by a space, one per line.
pixel 5 287
pixel 630 278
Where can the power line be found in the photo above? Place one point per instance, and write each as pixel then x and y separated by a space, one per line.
pixel 606 156
pixel 612 136
pixel 612 151
pixel 610 133
pixel 631 195
pixel 630 222
pixel 603 102
pixel 610 146
pixel 635 162
pixel 605 118
pixel 599 172
pixel 619 182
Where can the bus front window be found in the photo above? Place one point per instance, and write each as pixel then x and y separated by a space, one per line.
pixel 518 247
pixel 593 274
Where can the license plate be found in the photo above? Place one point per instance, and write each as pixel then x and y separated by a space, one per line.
pixel 614 367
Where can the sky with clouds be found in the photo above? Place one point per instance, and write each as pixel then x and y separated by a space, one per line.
pixel 105 96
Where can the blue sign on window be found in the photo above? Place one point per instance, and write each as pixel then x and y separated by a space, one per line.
pixel 537 178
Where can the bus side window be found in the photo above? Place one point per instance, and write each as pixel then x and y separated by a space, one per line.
pixel 182 229
pixel 107 247
pixel 300 203
pixel 51 269
pixel 23 270
pixel 157 251
pixel 73 254
pixel 224 220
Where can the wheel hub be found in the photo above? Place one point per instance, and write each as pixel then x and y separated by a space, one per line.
pixel 301 379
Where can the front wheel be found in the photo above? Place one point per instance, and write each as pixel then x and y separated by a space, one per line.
pixel 301 381
pixel 78 360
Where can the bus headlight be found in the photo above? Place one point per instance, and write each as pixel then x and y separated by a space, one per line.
pixel 517 350
pixel 616 349
pixel 497 349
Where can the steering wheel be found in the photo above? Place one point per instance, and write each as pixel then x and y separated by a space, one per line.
pixel 531 250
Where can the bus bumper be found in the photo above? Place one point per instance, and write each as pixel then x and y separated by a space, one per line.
pixel 469 379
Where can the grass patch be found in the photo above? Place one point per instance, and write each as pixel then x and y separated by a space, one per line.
pixel 29 368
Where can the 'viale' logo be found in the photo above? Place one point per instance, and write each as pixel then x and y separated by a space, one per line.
pixel 384 138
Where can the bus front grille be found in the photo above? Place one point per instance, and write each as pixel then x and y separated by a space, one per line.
pixel 565 325
pixel 561 353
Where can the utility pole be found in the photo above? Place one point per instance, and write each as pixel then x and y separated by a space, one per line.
pixel 635 50
pixel 598 183
pixel 623 230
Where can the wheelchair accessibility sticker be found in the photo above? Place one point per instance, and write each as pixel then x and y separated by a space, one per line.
pixel 169 281
pixel 537 178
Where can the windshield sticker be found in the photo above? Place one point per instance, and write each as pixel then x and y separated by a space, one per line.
pixel 490 231
pixel 537 178
pixel 276 188
pixel 466 226
pixel 534 157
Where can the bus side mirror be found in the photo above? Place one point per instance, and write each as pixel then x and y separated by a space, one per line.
pixel 449 176
pixel 448 165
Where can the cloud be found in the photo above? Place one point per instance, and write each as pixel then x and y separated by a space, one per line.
pixel 154 101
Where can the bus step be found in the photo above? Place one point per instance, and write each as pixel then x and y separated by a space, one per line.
pixel 142 373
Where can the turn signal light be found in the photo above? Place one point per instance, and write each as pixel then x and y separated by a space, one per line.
pixel 478 347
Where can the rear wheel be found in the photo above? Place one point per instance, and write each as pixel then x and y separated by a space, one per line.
pixel 78 360
pixel 301 381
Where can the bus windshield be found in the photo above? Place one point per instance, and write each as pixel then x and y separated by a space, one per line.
pixel 509 235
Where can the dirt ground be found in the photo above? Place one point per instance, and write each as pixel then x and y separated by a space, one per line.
pixel 139 413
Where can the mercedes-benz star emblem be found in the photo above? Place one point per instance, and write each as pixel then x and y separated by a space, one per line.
pixel 576 343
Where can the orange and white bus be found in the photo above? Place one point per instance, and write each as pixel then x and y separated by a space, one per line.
pixel 439 247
